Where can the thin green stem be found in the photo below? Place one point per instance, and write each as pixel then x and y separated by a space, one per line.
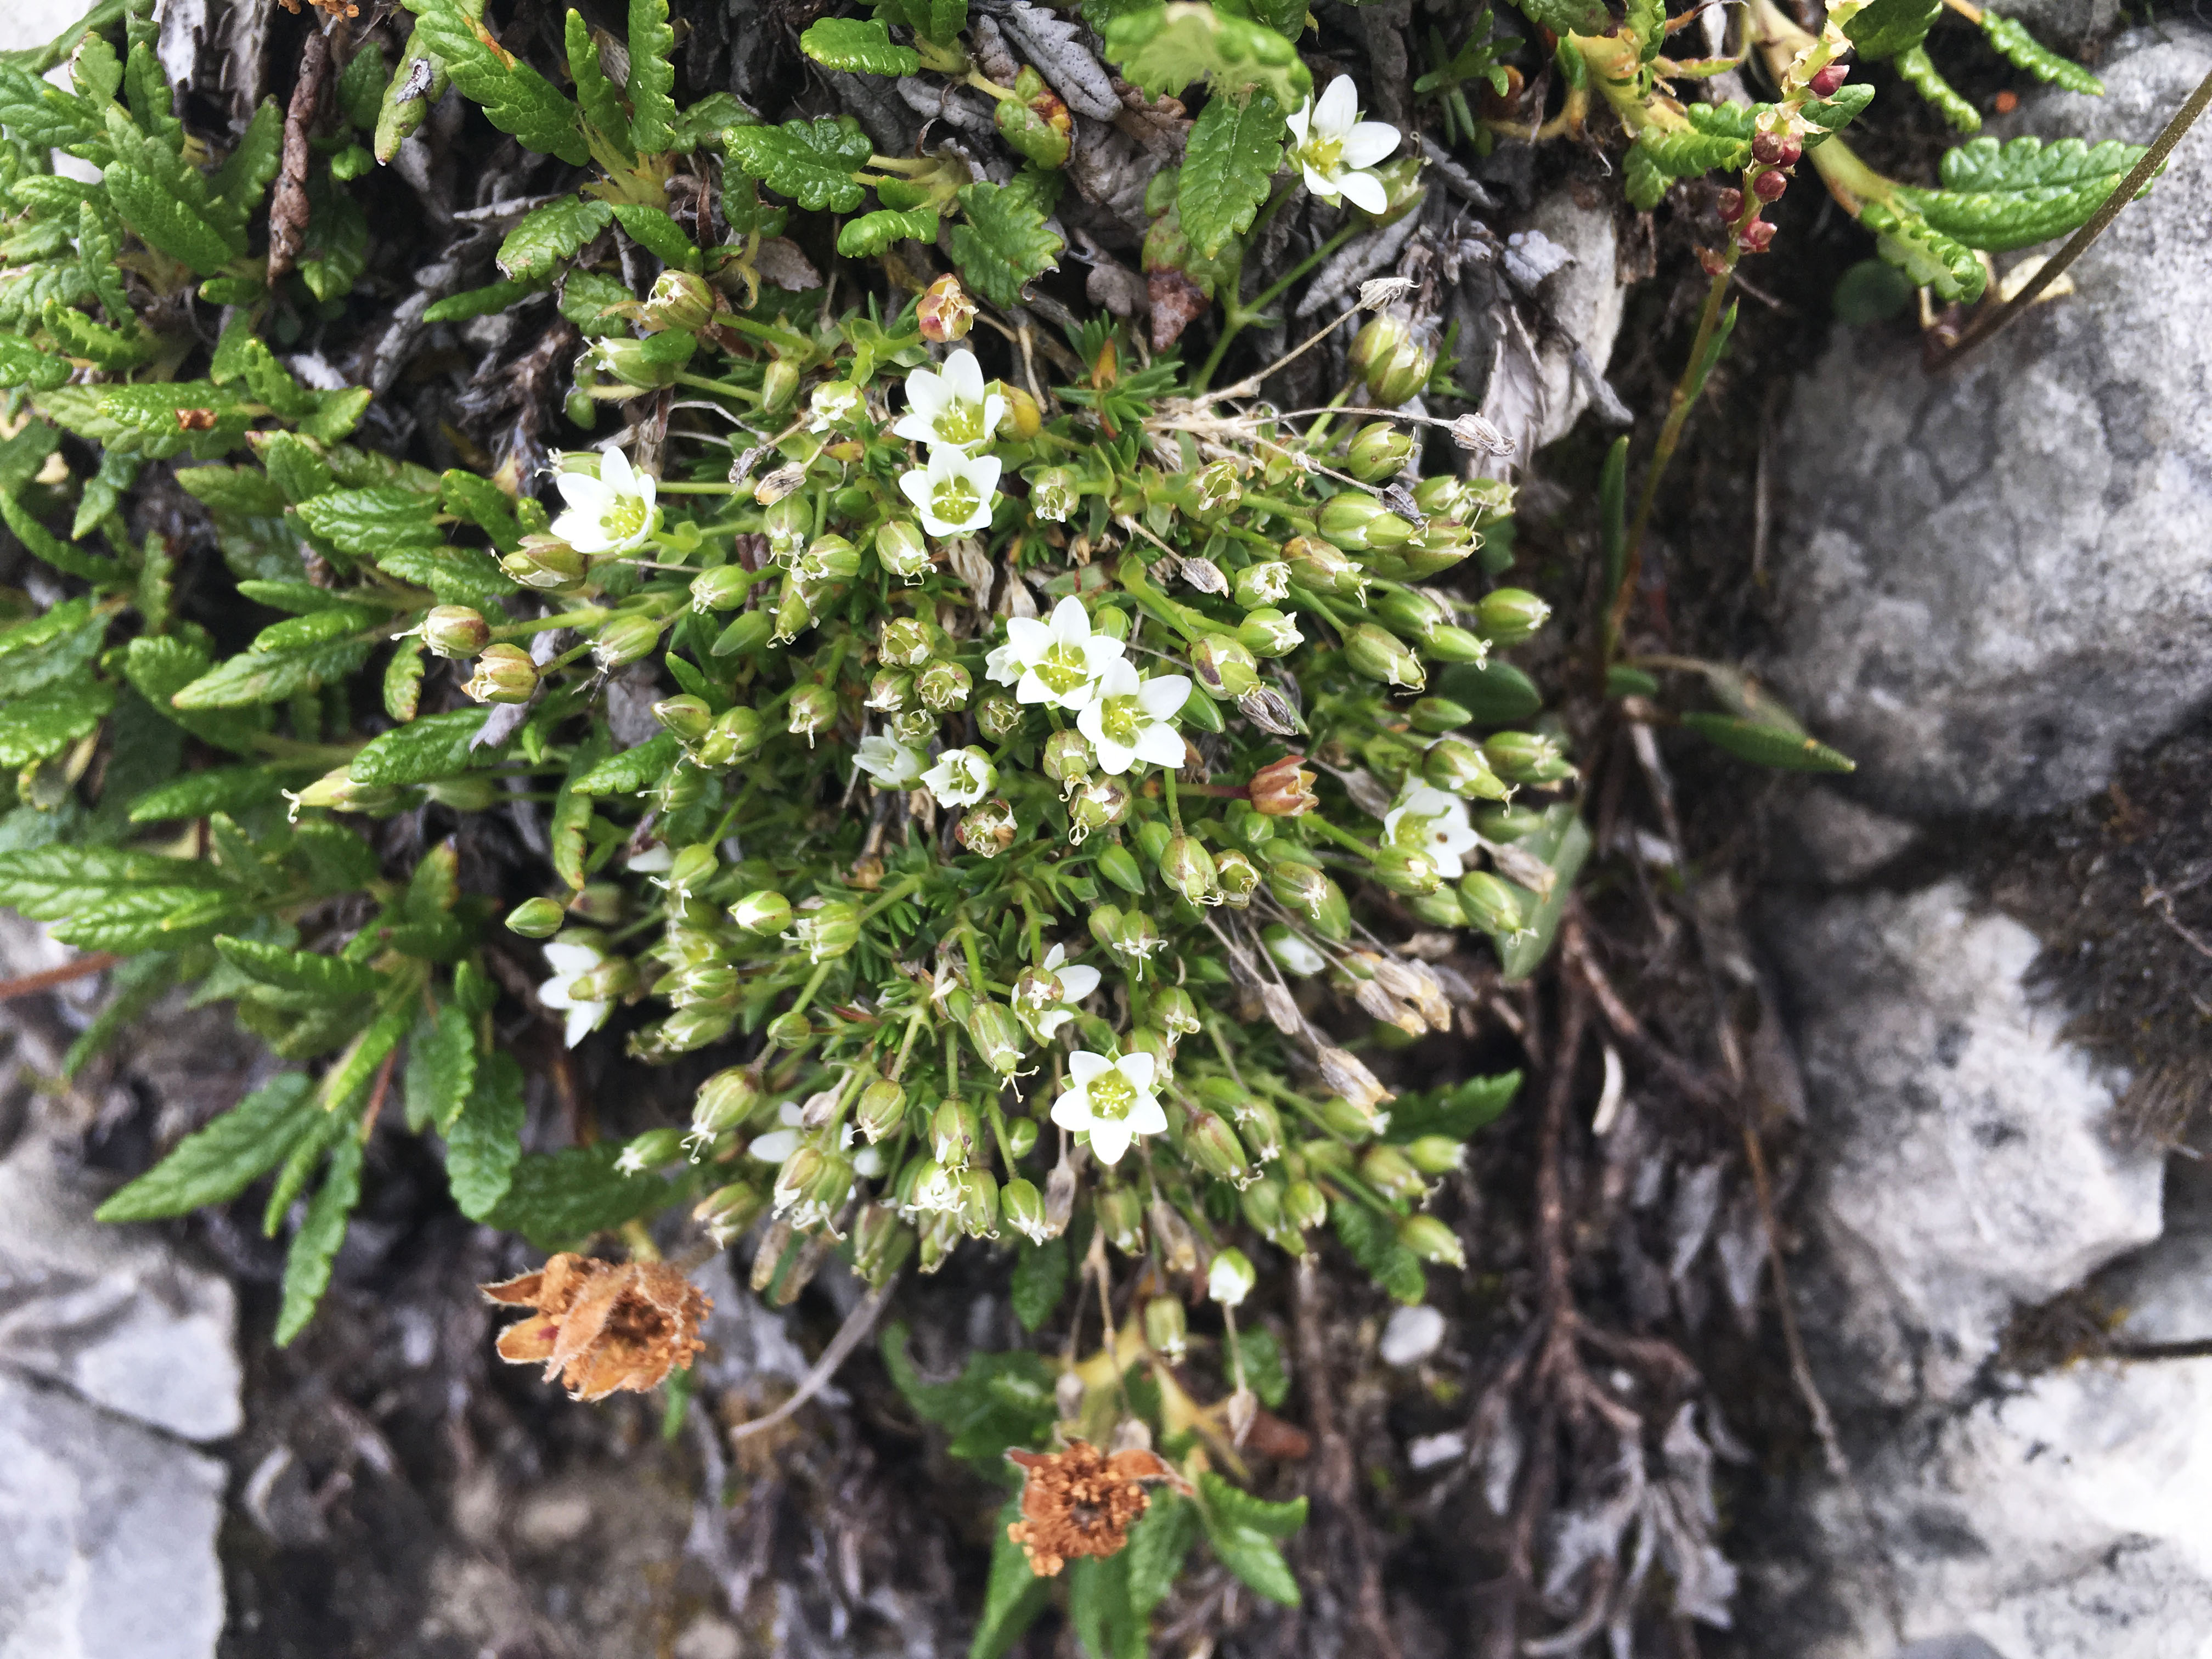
pixel 1238 314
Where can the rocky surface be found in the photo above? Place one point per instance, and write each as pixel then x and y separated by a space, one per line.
pixel 1994 580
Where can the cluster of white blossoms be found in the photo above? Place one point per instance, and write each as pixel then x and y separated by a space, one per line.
pixel 952 415
pixel 1062 663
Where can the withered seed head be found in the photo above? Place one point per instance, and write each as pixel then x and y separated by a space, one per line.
pixel 603 1326
pixel 1081 1501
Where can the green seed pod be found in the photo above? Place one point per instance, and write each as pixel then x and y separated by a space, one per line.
pixel 655 1149
pixel 1400 375
pixel 1436 1155
pixel 726 1212
pixel 1510 615
pixel 988 827
pixel 891 691
pixel 1262 1203
pixel 795 611
pixel 939 1236
pixel 1022 1207
pixel 1267 582
pixel 1238 877
pixel 1343 1117
pixel 1304 1208
pixel 537 918
pixel 1231 1277
pixel 680 300
pixel 905 642
pixel 1431 1240
pixel 1406 870
pixel 545 562
pixel 1053 494
pixel 1120 1216
pixel 787 523
pixel 1450 644
pixel 733 738
pixel 722 588
pixel 1224 665
pixel 1118 866
pixel 828 933
pixel 1213 1145
pixel 881 1110
pixel 1306 891
pixel 901 550
pixel 1260 1128
pixel 1187 868
pixel 1382 656
pixel 1525 758
pixel 1322 568
pixel 1098 804
pixel 828 559
pixel 1167 1330
pixel 881 1243
pixel 1066 757
pixel 945 687
pixel 455 631
pixel 624 638
pixel 504 674
pixel 1408 611
pixel 914 727
pixel 1489 904
pixel 1507 823
pixel 1439 909
pixel 1435 547
pixel 1390 1172
pixel 723 1102
pixel 997 716
pixel 476 793
pixel 647 365
pixel 812 708
pixel 792 1031
pixel 1269 633
pixel 1432 715
pixel 1022 1137
pixel 1130 938
pixel 778 385
pixel 997 1036
pixel 955 1132
pixel 1457 767
pixel 1174 1012
pixel 1444 497
pixel 687 716
pixel 1377 342
pixel 1359 522
pixel 979 1204
pixel 1379 450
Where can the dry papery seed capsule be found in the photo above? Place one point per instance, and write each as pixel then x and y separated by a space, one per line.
pixel 504 674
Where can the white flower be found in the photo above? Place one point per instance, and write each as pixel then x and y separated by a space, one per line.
pixel 961 777
pixel 954 492
pixel 613 513
pixel 937 1192
pixel 1280 629
pixel 1427 820
pixel 775 1147
pixel 1131 720
pixel 1110 1098
pixel 571 958
pixel 1077 979
pixel 1057 663
pixel 832 402
pixel 888 762
pixel 1333 145
pixel 952 409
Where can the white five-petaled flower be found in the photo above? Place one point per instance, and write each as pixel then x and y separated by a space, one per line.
pixel 951 409
pixel 613 513
pixel 571 958
pixel 1131 720
pixel 1057 663
pixel 1427 820
pixel 1334 147
pixel 1077 979
pixel 954 491
pixel 889 763
pixel 961 777
pixel 1112 1099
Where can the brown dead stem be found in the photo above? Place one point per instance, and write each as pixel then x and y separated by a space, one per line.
pixel 288 206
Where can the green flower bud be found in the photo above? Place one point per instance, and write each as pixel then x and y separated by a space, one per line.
pixel 900 550
pixel 1439 909
pixel 723 1102
pixel 1431 1240
pixel 1022 1207
pixel 1379 450
pixel 687 716
pixel 880 1110
pixel 537 918
pixel 1152 837
pixel 939 1235
pixel 1224 665
pixel 997 1036
pixel 828 559
pixel 655 1149
pixel 454 631
pixel 1344 1117
pixel 1174 1011
pixel 1436 1155
pixel 905 642
pixel 1213 1145
pixel 477 794
pixel 624 638
pixel 1118 866
pixel 1066 757
pixel 545 562
pixel 1511 615
pixel 1306 892
pixel 1098 804
pixel 1507 823
pixel 955 1132
pixel 812 708
pixel 726 1212
pixel 504 674
pixel 1260 1128
pixel 881 1243
pixel 1406 870
pixel 1436 546
pixel 997 716
pixel 778 385
pixel 1408 611
pixel 649 364
pixel 1121 1217
pixel 1450 644
pixel 1187 868
pixel 680 300
pixel 1022 1136
pixel 828 933
pixel 988 827
pixel 1262 1204
pixel 608 980
pixel 832 403
pixel 1356 520
pixel 1456 766
pixel 1395 367
pixel 1304 1208
pixel 733 738
pixel 945 687
pixel 891 691
pixel 1167 1330
pixel 979 1203
pixel 791 1031
pixel 788 521
pixel 722 588
pixel 1382 656
pixel 1023 419
pixel 1444 497
pixel 1525 758
pixel 1322 568
pixel 1053 494
pixel 1431 715
pixel 1391 1173
pixel 1238 877
pixel 1231 1277
pixel 794 613
pixel 1489 904
pixel 1269 632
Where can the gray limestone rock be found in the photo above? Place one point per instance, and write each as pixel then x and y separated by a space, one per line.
pixel 1994 581
pixel 106 1535
pixel 1963 1166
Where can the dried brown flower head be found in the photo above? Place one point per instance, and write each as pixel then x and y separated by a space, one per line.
pixel 1081 1501
pixel 602 1326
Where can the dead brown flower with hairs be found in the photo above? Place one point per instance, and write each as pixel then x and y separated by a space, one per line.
pixel 1081 1501
pixel 603 1326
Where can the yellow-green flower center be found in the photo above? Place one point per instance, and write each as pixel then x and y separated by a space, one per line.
pixel 1121 719
pixel 1324 156
pixel 1111 1094
pixel 954 501
pixel 960 421
pixel 1063 667
pixel 625 517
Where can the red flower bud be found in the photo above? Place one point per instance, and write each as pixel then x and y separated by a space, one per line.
pixel 1754 236
pixel 1729 204
pixel 1777 150
pixel 1825 83
pixel 1283 789
pixel 1769 187
pixel 1711 262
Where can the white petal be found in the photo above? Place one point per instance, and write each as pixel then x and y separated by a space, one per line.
pixel 1054 956
pixel 1100 652
pixel 994 410
pixel 1161 747
pixel 963 377
pixel 1323 188
pixel 1364 191
pixel 1072 1111
pixel 1028 638
pixel 775 1145
pixel 1137 1068
pixel 1146 1118
pixel 1369 142
pixel 1091 723
pixel 1338 107
pixel 1113 759
pixel 914 428
pixel 1082 1065
pixel 1078 980
pixel 584 1019
pixel 926 394
pixel 915 485
pixel 584 493
pixel 1119 680
pixel 1109 1138
pixel 1301 122
pixel 1002 667
pixel 1071 623
pixel 1163 695
pixel 1032 688
pixel 615 472
pixel 983 472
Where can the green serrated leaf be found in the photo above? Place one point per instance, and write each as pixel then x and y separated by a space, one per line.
pixel 22 364
pixel 1158 1544
pixel 160 667
pixel 1006 242
pixel 436 746
pixel 307 657
pixel 1886 27
pixel 871 233
pixel 418 83
pixel 1236 145
pixel 1040 1280
pixel 1458 1111
pixel 54 645
pixel 811 161
pixel 232 789
pixel 315 1247
pixel 1013 1596
pixel 632 769
pixel 1928 257
pixel 1164 49
pixel 308 975
pixel 558 1199
pixel 107 898
pixel 50 549
pixel 1242 1530
pixel 2000 197
pixel 370 523
pixel 2023 51
pixel 595 94
pixel 441 1069
pixel 652 76
pixel 1918 71
pixel 658 234
pixel 858 46
pixel 486 301
pixel 514 97
pixel 48 720
pixel 1373 1242
pixel 162 221
pixel 484 1144
pixel 549 235
pixel 217 1163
